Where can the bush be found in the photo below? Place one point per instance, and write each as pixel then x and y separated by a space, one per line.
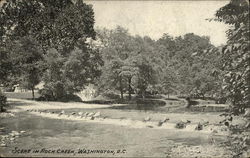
pixel 3 101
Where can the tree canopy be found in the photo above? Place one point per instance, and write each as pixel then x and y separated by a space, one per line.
pixel 236 59
pixel 60 30
pixel 181 65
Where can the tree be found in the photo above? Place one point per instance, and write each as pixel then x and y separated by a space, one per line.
pixel 116 54
pixel 54 81
pixel 129 61
pixel 81 68
pixel 5 64
pixel 236 67
pixel 53 23
pixel 236 52
pixel 64 26
pixel 27 59
pixel 186 64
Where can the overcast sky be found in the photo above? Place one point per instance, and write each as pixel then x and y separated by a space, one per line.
pixel 153 18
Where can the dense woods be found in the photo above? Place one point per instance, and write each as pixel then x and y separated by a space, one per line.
pixel 181 65
pixel 46 41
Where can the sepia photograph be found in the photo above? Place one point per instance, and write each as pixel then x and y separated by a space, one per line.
pixel 125 78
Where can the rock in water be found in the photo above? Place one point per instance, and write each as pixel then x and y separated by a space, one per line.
pixel 61 113
pixel 73 113
pixel 165 119
pixel 97 114
pixel 80 113
pixel 227 124
pixel 199 127
pixel 146 119
pixel 91 114
pixel 160 123
pixel 86 114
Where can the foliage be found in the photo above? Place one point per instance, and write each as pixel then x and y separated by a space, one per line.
pixel 183 65
pixel 27 58
pixel 127 64
pixel 64 76
pixel 236 52
pixel 236 67
pixel 54 23
pixel 188 65
pixel 40 26
pixel 5 64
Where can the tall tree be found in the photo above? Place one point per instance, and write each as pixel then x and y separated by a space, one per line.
pixel 64 26
pixel 236 52
pixel 54 23
pixel 27 59
pixel 236 67
pixel 116 54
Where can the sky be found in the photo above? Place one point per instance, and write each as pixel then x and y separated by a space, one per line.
pixel 154 18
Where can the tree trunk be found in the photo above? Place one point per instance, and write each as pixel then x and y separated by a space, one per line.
pixel 33 94
pixel 143 95
pixel 1 108
pixel 129 87
pixel 121 87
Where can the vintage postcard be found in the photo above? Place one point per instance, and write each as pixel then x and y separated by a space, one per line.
pixel 124 78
